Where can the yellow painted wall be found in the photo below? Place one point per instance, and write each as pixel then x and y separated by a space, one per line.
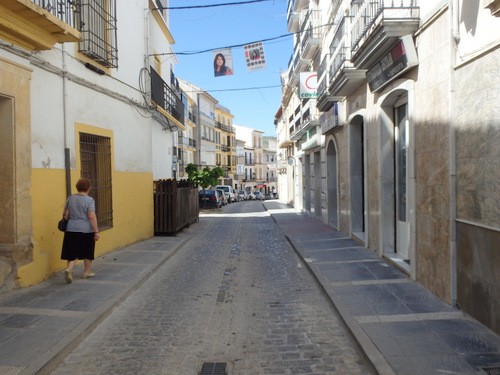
pixel 133 219
pixel 133 214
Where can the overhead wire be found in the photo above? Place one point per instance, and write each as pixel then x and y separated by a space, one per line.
pixel 211 5
pixel 186 53
pixel 244 89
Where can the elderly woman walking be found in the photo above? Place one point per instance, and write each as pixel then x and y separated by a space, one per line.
pixel 81 230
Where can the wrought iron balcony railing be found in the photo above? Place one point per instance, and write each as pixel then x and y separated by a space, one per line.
pixel 340 59
pixel 192 117
pixel 368 13
pixel 165 97
pixel 64 10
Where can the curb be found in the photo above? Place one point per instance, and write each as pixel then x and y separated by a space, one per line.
pixel 48 362
pixel 370 351
pixel 365 344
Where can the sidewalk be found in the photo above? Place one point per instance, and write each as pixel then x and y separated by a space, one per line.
pixel 402 327
pixel 40 325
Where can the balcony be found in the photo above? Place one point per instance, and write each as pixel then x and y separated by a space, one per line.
pixel 224 128
pixel 313 141
pixel 298 5
pixel 305 122
pixel 493 6
pixel 311 35
pixel 292 20
pixel 192 117
pixel 38 25
pixel 167 100
pixel 377 25
pixel 187 142
pixel 326 99
pixel 344 78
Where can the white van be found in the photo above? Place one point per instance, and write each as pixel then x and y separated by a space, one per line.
pixel 228 192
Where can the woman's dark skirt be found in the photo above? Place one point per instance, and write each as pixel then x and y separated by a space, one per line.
pixel 77 245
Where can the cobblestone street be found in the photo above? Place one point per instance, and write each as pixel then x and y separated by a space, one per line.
pixel 238 295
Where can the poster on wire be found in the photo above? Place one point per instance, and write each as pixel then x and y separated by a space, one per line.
pixel 254 56
pixel 223 62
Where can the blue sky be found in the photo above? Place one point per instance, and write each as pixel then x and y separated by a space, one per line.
pixel 220 27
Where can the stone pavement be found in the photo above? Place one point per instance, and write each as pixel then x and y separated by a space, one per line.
pixel 40 325
pixel 402 327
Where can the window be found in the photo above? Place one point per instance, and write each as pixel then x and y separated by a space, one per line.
pixel 96 20
pixel 95 155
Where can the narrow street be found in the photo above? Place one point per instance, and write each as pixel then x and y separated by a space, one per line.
pixel 236 297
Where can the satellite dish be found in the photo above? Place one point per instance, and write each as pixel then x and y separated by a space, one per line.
pixel 290 160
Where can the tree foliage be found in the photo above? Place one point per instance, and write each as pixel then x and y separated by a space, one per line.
pixel 206 177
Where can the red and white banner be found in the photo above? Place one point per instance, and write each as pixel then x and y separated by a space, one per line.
pixel 254 56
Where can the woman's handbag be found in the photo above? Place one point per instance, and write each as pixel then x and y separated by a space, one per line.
pixel 61 225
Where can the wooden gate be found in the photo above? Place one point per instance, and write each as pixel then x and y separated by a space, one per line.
pixel 175 206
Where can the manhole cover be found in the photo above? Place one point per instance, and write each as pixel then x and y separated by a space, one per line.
pixel 491 370
pixel 213 368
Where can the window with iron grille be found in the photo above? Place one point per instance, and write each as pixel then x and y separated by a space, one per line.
pixel 95 156
pixel 96 20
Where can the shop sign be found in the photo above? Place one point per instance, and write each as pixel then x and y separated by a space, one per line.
pixel 329 120
pixel 308 85
pixel 401 58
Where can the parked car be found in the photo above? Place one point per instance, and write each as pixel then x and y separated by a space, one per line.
pixel 210 198
pixel 251 195
pixel 236 197
pixel 259 196
pixel 223 197
pixel 227 191
pixel 243 195
pixel 268 196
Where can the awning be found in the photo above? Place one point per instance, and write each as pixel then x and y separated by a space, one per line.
pixel 260 186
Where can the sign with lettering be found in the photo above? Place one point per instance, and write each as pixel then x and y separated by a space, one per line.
pixel 397 61
pixel 308 85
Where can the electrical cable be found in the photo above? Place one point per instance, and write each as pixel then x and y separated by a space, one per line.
pixel 238 45
pixel 210 5
pixel 244 89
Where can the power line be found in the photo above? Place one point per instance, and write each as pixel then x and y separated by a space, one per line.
pixel 238 45
pixel 244 89
pixel 211 5
pixel 233 46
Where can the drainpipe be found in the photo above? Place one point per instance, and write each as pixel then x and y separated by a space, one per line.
pixel 67 161
pixel 456 21
pixel 455 38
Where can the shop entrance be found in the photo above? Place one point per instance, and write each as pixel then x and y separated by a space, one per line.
pixel 401 132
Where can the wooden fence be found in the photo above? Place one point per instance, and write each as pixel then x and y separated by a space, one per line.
pixel 175 206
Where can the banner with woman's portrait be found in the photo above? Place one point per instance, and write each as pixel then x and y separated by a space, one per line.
pixel 223 62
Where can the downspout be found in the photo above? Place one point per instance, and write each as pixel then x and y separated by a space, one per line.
pixel 67 160
pixel 456 22
pixel 455 38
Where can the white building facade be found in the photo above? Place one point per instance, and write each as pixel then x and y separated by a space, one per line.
pixel 77 101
